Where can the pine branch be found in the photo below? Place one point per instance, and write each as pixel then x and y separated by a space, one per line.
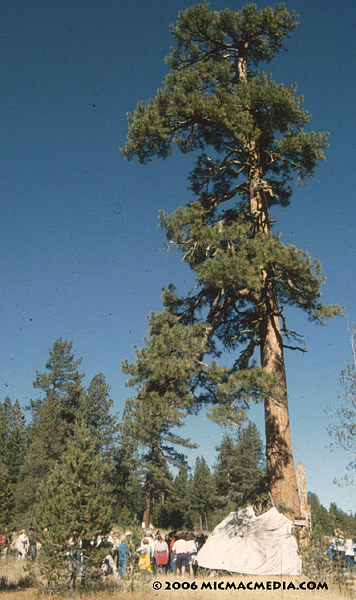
pixel 295 348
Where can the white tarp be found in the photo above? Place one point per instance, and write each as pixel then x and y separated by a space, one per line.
pixel 244 543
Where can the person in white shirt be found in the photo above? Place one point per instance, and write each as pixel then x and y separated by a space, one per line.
pixel 22 544
pixel 192 551
pixel 349 550
pixel 161 554
pixel 108 564
pixel 145 560
pixel 180 552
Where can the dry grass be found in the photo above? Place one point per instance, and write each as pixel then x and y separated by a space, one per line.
pixel 15 572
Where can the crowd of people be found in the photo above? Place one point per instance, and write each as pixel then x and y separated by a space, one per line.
pixel 155 554
pixel 22 546
pixel 343 547
pixel 174 552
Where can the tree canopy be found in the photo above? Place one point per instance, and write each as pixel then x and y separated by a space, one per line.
pixel 249 144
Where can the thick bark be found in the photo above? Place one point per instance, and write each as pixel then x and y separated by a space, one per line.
pixel 280 463
pixel 148 502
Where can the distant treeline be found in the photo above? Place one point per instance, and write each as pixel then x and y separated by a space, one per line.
pixel 327 521
pixel 74 441
pixel 77 466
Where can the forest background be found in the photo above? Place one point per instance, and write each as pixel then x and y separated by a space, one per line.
pixel 88 266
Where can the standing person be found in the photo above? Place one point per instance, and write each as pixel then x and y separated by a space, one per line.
pixel 144 552
pixel 180 552
pixel 123 555
pixel 152 544
pixel 337 545
pixel 349 551
pixel 192 552
pixel 161 555
pixel 22 544
pixel 172 538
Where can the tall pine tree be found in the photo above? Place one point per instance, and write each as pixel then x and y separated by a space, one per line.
pixel 53 418
pixel 128 476
pixel 13 438
pixel 162 400
pixel 177 506
pixel 201 492
pixel 247 134
pixel 96 411
pixel 239 469
pixel 61 380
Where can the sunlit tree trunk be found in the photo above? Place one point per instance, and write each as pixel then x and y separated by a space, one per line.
pixel 279 454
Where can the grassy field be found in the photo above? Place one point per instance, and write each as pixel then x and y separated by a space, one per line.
pixel 207 588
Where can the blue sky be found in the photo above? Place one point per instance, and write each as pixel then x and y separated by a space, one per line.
pixel 79 244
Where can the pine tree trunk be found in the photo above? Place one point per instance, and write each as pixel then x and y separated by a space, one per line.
pixel 148 501
pixel 201 522
pixel 280 463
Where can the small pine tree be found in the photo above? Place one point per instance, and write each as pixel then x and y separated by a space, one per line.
pixel 74 502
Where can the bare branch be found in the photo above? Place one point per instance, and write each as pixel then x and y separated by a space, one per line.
pixel 295 348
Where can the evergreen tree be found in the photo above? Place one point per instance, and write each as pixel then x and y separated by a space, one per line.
pixel 239 470
pixel 202 492
pixel 319 515
pixel 12 452
pixel 177 507
pixel 62 380
pixel 128 477
pixel 96 411
pixel 74 502
pixel 52 422
pixel 338 519
pixel 6 496
pixel 248 135
pixel 48 438
pixel 162 400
